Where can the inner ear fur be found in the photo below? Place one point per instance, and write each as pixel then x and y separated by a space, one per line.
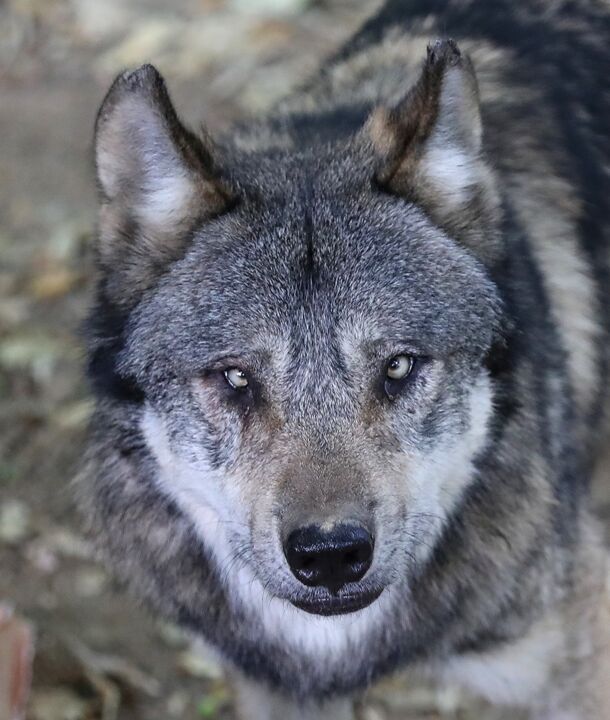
pixel 429 149
pixel 156 179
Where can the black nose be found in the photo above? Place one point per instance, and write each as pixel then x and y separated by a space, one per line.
pixel 331 559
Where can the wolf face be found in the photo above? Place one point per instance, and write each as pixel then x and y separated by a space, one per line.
pixel 304 332
pixel 321 435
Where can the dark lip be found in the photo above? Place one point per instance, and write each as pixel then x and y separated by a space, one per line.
pixel 337 605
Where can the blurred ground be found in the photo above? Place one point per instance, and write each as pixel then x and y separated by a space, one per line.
pixel 98 655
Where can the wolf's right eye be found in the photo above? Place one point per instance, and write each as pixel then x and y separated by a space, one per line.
pixel 399 367
pixel 236 378
pixel 398 370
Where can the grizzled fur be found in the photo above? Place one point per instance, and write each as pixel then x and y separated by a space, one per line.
pixel 446 201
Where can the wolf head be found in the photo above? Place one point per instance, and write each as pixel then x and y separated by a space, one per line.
pixel 302 333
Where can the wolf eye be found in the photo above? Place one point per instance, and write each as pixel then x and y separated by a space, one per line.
pixel 399 367
pixel 236 378
pixel 397 371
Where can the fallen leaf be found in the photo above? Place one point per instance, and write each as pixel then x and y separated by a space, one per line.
pixel 14 521
pixel 16 656
pixel 198 665
pixel 53 284
pixel 114 667
pixel 58 704
pixel 213 702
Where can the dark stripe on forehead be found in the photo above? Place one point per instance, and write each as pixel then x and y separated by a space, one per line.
pixel 309 265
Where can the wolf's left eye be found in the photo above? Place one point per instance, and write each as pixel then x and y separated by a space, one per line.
pixel 399 367
pixel 236 378
pixel 398 370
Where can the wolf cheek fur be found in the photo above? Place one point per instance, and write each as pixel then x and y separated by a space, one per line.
pixel 306 253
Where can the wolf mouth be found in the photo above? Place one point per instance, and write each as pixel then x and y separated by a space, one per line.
pixel 337 605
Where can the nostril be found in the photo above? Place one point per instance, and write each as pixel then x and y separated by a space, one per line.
pixel 307 561
pixel 329 558
pixel 357 560
pixel 351 557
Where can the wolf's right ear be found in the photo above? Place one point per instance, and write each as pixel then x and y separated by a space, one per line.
pixel 428 149
pixel 156 180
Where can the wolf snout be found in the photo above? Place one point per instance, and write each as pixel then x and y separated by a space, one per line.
pixel 329 558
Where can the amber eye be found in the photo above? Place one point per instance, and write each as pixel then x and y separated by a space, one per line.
pixel 399 367
pixel 236 378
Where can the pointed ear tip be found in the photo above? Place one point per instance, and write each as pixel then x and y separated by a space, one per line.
pixel 145 80
pixel 444 51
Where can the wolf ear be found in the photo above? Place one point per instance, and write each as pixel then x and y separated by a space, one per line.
pixel 428 149
pixel 156 180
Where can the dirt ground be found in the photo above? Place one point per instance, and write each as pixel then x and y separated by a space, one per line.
pixel 97 654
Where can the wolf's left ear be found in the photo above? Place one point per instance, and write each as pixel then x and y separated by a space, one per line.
pixel 428 149
pixel 156 180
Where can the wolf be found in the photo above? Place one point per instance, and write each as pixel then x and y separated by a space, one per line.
pixel 350 363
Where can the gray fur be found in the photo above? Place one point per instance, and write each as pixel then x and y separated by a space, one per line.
pixel 367 218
